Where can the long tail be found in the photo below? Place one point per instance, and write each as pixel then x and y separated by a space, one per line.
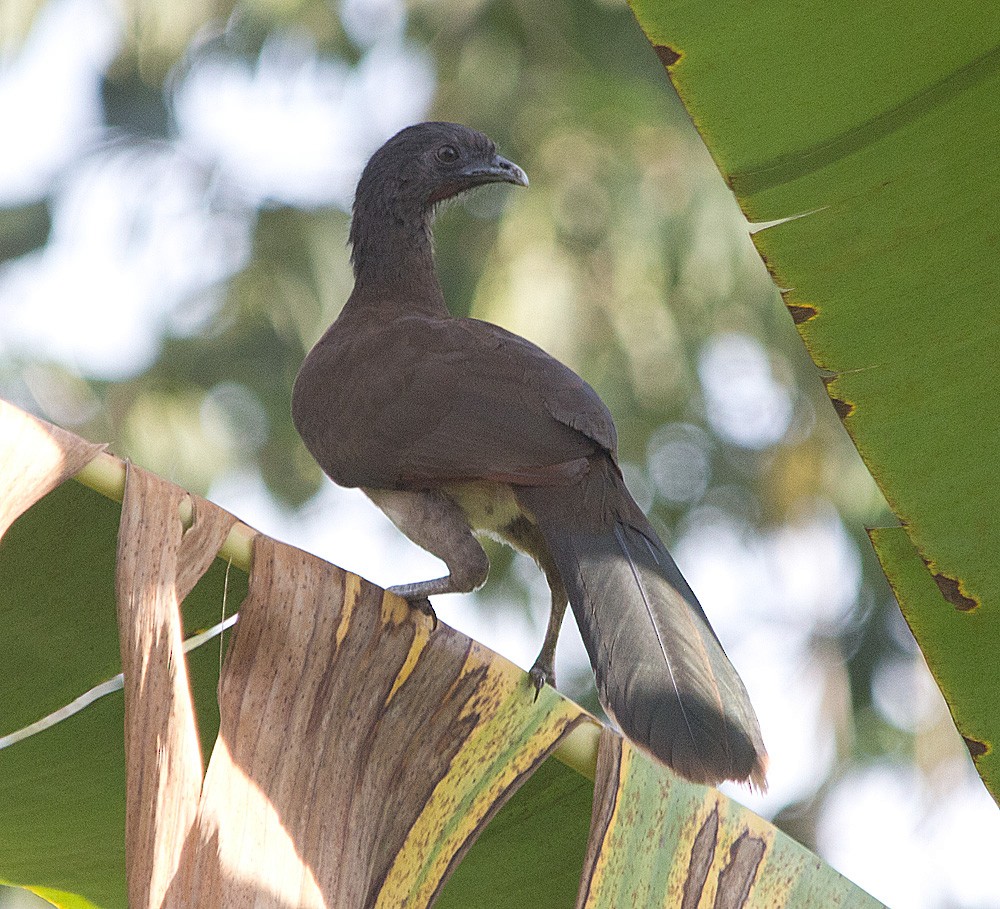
pixel 661 672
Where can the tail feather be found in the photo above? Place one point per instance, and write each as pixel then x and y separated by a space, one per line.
pixel 661 672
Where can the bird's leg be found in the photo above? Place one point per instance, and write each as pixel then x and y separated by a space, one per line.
pixel 544 668
pixel 524 534
pixel 435 522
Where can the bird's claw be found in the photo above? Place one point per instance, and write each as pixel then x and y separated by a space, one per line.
pixel 540 675
pixel 423 605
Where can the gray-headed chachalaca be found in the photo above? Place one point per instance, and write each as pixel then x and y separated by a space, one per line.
pixel 455 427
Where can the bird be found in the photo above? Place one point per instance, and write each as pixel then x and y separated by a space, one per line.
pixel 457 429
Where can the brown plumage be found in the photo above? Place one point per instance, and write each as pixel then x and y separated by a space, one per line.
pixel 455 426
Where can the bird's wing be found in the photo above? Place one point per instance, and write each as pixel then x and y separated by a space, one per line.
pixel 471 400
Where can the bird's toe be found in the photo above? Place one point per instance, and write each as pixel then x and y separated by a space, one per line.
pixel 423 605
pixel 541 675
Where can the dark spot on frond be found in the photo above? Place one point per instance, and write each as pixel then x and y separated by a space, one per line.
pixel 668 56
pixel 976 748
pixel 801 312
pixel 844 408
pixel 702 855
pixel 951 590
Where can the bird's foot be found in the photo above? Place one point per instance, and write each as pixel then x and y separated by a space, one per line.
pixel 541 674
pixel 423 605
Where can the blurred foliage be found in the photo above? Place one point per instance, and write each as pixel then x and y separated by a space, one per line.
pixel 23 229
pixel 16 898
pixel 626 258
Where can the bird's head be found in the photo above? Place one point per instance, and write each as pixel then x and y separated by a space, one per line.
pixel 399 189
pixel 428 163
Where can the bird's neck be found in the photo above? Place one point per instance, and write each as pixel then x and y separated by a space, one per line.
pixel 393 258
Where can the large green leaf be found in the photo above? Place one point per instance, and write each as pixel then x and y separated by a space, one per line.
pixel 532 851
pixel 878 124
pixel 62 792
pixel 720 851
pixel 332 694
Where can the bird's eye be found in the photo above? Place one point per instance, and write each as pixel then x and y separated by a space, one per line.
pixel 447 154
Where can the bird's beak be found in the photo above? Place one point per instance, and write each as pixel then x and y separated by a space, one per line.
pixel 499 170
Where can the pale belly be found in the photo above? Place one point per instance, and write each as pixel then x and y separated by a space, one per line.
pixel 490 507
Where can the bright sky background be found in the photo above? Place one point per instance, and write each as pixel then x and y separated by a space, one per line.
pixel 139 226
